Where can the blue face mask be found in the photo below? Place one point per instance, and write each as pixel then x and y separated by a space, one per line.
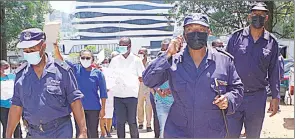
pixel 122 49
pixel 33 58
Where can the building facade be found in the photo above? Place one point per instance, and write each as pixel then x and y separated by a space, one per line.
pixel 104 22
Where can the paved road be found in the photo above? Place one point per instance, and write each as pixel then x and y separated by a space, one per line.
pixel 279 126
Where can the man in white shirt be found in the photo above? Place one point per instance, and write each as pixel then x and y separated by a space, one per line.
pixel 125 98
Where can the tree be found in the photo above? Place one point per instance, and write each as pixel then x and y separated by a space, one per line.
pixel 17 16
pixel 227 16
pixel 91 48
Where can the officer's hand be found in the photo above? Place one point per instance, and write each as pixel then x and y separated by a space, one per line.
pixel 221 102
pixel 102 113
pixel 174 46
pixel 274 106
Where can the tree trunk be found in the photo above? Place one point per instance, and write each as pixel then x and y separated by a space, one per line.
pixel 2 30
pixel 270 7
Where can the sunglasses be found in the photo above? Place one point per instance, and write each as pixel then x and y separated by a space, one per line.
pixel 87 58
pixel 13 68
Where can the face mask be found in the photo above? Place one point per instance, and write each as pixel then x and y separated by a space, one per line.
pixel 105 65
pixel 197 40
pixel 85 63
pixel 122 49
pixel 258 21
pixel 33 57
pixel 13 71
pixel 7 71
pixel 141 56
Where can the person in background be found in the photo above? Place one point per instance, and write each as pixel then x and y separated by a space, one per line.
pixel 125 102
pixel 144 96
pixel 106 121
pixel 256 54
pixel 217 44
pixel 45 93
pixel 90 82
pixel 7 75
pixel 114 122
pixel 13 66
pixel 163 97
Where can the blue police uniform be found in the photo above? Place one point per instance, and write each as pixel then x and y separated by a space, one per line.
pixel 192 114
pixel 257 65
pixel 46 101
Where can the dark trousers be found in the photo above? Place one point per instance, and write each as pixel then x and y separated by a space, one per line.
pixel 156 120
pixel 251 113
pixel 4 119
pixel 92 122
pixel 125 109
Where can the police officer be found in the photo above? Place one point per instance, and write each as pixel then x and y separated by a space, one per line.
pixel 45 92
pixel 195 112
pixel 255 52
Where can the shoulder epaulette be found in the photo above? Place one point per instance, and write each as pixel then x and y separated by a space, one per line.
pixel 21 67
pixel 273 36
pixel 238 30
pixel 226 53
pixel 62 64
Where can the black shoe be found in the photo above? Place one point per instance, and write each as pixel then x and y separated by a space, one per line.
pixel 109 135
pixel 140 127
pixel 149 129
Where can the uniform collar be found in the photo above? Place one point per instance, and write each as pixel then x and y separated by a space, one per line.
pixel 246 32
pixel 210 55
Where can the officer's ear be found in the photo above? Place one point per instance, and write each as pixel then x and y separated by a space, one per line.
pixel 44 46
pixel 266 18
pixel 209 32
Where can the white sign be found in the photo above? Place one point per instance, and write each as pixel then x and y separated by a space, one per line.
pixel 7 89
pixel 51 30
pixel 120 80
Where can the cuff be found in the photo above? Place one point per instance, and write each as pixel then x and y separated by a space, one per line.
pixel 230 109
pixel 275 95
pixel 77 94
pixel 16 101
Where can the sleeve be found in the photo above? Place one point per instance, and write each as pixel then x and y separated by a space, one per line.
pixel 140 68
pixel 71 87
pixel 235 90
pixel 16 95
pixel 73 66
pixel 273 72
pixel 157 72
pixel 112 64
pixel 102 86
pixel 230 45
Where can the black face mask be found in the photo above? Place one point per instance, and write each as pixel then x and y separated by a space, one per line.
pixel 258 21
pixel 197 40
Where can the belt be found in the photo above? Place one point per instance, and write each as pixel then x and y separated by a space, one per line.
pixel 50 125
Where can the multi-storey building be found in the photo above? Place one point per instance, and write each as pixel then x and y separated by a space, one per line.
pixel 102 23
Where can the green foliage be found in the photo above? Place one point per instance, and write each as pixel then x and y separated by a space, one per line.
pixel 20 15
pixel 227 16
pixel 107 52
pixel 74 55
pixel 91 48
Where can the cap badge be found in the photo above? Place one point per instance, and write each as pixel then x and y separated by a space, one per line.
pixel 27 36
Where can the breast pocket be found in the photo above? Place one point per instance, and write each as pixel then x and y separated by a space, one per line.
pixel 219 84
pixel 54 96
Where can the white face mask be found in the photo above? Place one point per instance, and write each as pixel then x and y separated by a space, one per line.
pixel 7 71
pixel 33 58
pixel 85 63
pixel 13 71
pixel 122 49
pixel 141 56
pixel 105 65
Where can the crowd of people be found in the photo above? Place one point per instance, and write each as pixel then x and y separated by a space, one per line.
pixel 190 89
